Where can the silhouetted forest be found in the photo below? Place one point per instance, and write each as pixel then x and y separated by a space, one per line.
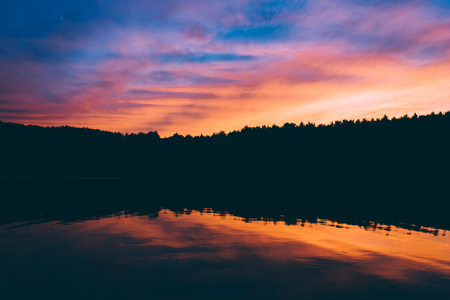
pixel 389 171
pixel 397 145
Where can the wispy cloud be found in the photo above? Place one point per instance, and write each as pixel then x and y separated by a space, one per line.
pixel 149 94
pixel 181 57
pixel 210 65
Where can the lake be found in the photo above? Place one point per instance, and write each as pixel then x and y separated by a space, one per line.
pixel 190 254
pixel 312 236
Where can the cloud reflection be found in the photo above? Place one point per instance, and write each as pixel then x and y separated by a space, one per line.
pixel 196 250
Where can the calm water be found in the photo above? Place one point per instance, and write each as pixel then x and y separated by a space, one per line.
pixel 206 255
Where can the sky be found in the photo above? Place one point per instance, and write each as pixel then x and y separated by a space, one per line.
pixel 203 66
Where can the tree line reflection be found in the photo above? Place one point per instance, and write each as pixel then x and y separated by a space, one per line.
pixel 357 200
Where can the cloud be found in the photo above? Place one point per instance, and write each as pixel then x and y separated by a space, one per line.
pixel 206 58
pixel 262 34
pixel 209 80
pixel 180 78
pixel 117 64
pixel 15 110
pixel 126 105
pixel 149 94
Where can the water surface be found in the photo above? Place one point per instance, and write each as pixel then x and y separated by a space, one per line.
pixel 208 255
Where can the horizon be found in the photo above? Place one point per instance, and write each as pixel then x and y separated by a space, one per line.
pixel 332 123
pixel 199 67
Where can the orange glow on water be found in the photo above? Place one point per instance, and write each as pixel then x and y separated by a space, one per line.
pixel 194 250
pixel 389 253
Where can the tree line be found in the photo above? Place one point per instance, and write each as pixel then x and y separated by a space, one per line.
pixel 406 144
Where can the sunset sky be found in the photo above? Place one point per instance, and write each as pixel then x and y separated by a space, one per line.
pixel 202 66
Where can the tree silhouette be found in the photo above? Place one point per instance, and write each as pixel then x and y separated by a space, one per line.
pixel 416 144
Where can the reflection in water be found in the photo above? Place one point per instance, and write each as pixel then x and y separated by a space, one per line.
pixel 206 255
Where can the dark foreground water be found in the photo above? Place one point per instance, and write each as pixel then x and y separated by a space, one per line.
pixel 204 255
pixel 225 237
